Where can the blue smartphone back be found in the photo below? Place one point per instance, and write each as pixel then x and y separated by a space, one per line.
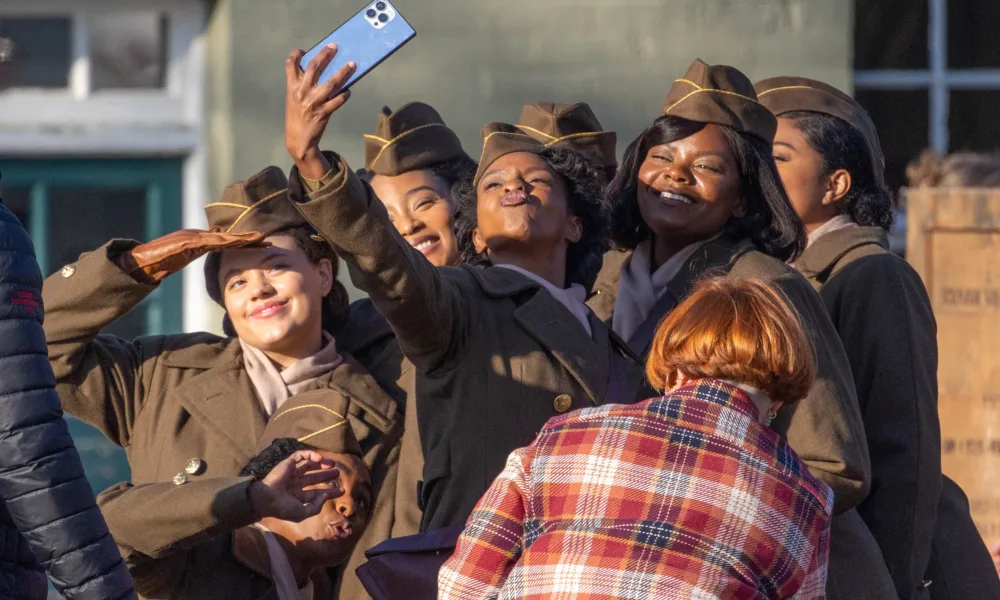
pixel 367 38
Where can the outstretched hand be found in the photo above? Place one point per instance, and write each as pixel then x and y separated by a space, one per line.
pixel 282 493
pixel 308 107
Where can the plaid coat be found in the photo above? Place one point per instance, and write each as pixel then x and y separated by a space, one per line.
pixel 685 496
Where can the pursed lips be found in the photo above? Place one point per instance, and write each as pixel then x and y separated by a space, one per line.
pixel 341 529
pixel 514 198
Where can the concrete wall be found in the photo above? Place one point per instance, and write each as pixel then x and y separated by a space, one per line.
pixel 478 62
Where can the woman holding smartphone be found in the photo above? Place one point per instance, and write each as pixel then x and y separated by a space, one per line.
pixel 503 348
pixel 698 193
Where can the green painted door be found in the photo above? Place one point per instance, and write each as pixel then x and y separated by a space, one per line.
pixel 72 206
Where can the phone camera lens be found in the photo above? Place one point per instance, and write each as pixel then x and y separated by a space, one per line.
pixel 382 17
pixel 371 13
pixel 380 5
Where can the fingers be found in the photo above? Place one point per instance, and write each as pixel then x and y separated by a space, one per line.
pixel 331 106
pixel 318 64
pixel 318 477
pixel 292 66
pixel 220 240
pixel 335 83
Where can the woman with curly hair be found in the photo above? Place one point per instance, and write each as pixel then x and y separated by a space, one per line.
pixel 502 348
pixel 828 154
pixel 698 193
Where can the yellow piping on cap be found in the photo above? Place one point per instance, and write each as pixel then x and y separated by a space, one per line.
pixel 324 430
pixel 229 204
pixel 689 82
pixel 790 87
pixel 255 205
pixel 374 137
pixel 319 406
pixel 551 137
pixel 402 135
pixel 699 91
pixel 576 135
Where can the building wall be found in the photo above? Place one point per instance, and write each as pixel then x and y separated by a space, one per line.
pixel 478 62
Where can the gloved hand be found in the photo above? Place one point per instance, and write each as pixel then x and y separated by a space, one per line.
pixel 166 255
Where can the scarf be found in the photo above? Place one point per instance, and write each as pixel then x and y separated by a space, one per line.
pixel 572 298
pixel 273 387
pixel 835 224
pixel 281 569
pixel 638 289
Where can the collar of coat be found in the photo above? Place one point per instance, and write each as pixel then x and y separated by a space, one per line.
pixel 818 261
pixel 224 384
pixel 720 254
pixel 250 550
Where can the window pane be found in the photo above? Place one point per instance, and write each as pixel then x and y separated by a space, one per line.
pixel 972 34
pixel 40 52
pixel 901 120
pixel 972 124
pixel 83 218
pixel 890 34
pixel 127 50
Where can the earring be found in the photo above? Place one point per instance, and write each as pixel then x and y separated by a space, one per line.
pixel 770 416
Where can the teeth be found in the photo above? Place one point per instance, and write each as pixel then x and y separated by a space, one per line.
pixel 423 245
pixel 676 197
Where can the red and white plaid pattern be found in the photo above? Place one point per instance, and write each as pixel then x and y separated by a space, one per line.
pixel 685 496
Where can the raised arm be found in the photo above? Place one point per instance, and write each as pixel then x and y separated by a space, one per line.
pixel 162 551
pixel 424 305
pixel 101 378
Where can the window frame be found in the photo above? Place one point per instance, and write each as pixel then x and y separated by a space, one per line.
pixel 168 122
pixel 159 177
pixel 938 79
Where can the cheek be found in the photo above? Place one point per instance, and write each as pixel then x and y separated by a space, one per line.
pixel 801 185
pixel 235 306
pixel 439 219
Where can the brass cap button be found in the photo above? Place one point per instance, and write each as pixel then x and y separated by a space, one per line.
pixel 194 466
pixel 180 479
pixel 563 402
pixel 68 271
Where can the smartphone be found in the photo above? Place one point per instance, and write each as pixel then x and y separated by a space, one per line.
pixel 367 38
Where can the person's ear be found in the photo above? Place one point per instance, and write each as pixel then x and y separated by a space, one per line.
pixel 838 184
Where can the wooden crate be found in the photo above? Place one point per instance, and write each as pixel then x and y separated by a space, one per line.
pixel 953 241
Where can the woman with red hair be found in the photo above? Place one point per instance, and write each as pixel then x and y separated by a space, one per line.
pixel 689 495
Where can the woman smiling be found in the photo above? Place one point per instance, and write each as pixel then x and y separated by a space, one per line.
pixel 190 408
pixel 698 193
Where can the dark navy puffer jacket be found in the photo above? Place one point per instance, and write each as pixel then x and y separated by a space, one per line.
pixel 48 517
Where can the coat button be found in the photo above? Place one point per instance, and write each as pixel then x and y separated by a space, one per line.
pixel 194 466
pixel 68 271
pixel 180 479
pixel 563 402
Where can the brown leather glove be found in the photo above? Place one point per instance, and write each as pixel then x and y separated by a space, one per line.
pixel 153 261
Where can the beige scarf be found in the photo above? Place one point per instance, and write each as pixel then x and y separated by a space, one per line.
pixel 639 287
pixel 273 387
pixel 281 569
